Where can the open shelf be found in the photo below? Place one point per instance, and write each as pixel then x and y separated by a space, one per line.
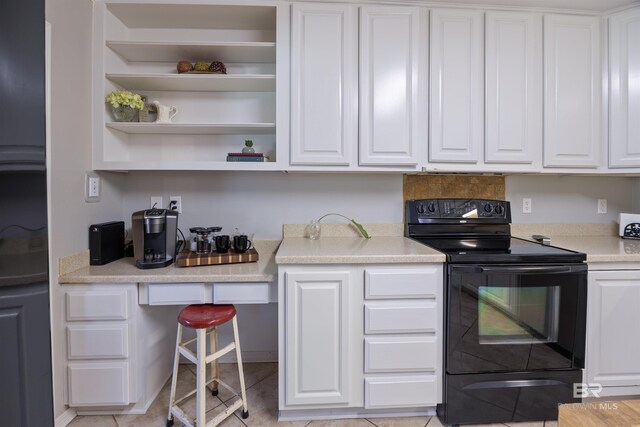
pixel 197 82
pixel 137 44
pixel 252 52
pixel 194 128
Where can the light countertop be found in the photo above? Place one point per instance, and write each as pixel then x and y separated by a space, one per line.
pixel 354 250
pixel 598 244
pixel 386 246
pixel 125 271
pixel 598 248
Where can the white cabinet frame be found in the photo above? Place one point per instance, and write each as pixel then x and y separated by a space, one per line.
pixel 624 94
pixel 389 93
pixel 456 86
pixel 513 112
pixel 572 90
pixel 324 80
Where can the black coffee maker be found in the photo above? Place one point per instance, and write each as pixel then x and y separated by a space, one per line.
pixel 154 237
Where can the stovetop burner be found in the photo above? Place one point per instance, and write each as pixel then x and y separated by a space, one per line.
pixel 477 231
pixel 507 250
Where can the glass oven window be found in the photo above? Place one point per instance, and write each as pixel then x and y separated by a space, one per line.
pixel 518 315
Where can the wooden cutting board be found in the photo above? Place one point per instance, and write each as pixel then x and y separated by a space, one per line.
pixel 187 258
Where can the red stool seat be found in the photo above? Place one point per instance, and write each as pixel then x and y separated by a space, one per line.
pixel 198 316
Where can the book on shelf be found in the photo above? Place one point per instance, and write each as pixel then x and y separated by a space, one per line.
pixel 246 157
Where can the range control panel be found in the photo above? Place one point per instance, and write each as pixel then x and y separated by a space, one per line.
pixel 427 210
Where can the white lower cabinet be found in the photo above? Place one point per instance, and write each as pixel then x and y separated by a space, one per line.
pixel 400 353
pixel 613 338
pixel 100 384
pixel 319 331
pixel 119 353
pixel 338 351
pixel 100 328
pixel 400 392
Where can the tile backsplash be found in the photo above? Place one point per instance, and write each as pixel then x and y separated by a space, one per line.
pixel 454 186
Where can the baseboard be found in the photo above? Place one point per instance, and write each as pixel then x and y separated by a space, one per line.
pixel 346 413
pixel 66 417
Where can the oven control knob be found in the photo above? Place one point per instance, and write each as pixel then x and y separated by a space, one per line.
pixel 420 208
pixel 499 209
pixel 431 207
pixel 487 208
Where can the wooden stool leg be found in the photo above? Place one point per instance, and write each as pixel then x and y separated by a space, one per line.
pixel 213 345
pixel 236 338
pixel 174 377
pixel 201 376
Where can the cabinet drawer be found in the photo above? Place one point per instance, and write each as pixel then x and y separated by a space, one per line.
pixel 99 384
pixel 397 391
pixel 178 293
pixel 241 293
pixel 406 283
pixel 381 317
pixel 400 354
pixel 98 305
pixel 97 341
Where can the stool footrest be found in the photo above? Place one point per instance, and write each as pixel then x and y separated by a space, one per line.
pixel 224 414
pixel 180 415
pixel 192 392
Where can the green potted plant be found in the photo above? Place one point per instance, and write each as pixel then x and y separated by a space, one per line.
pixel 248 146
pixel 314 226
pixel 124 104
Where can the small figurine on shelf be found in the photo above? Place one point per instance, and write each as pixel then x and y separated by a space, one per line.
pixel 248 146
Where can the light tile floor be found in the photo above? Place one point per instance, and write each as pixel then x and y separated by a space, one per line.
pixel 262 394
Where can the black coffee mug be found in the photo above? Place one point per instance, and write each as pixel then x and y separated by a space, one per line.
pixel 241 243
pixel 222 243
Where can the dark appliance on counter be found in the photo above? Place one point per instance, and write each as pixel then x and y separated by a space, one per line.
pixel 515 313
pixel 154 237
pixel 106 242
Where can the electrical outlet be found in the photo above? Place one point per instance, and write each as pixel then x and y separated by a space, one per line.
pixel 602 206
pixel 91 187
pixel 175 203
pixel 156 202
pixel 526 205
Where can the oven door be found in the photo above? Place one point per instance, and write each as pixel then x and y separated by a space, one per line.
pixel 505 318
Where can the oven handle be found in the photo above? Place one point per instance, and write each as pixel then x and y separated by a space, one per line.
pixel 556 269
pixel 515 383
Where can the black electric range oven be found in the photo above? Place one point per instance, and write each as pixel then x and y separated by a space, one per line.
pixel 515 313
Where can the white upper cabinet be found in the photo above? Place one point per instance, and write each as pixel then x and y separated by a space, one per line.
pixel 624 89
pixel 456 86
pixel 389 59
pixel 572 90
pixel 513 60
pixel 324 84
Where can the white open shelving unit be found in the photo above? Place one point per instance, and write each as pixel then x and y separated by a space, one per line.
pixel 137 46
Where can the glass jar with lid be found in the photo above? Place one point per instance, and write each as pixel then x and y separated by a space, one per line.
pixel 203 241
pixel 193 238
